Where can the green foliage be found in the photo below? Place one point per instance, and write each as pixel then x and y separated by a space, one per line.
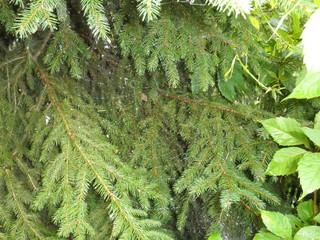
pixel 97 21
pixel 202 175
pixel 228 86
pixel 286 131
pixel 113 127
pixel 308 169
pixel 308 233
pixel 285 161
pixel 70 52
pixel 266 236
pixel 39 15
pixel 289 226
pixel 277 223
pixel 312 134
pixel 317 218
pixel 215 236
pixel 149 9
pixel 305 210
pixel 309 87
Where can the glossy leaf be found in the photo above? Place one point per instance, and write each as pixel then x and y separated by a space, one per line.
pixel 309 172
pixel 285 131
pixel 228 86
pixel 277 223
pixel 227 89
pixel 305 210
pixel 295 221
pixel 317 218
pixel 285 161
pixel 308 88
pixel 255 22
pixel 215 236
pixel 266 236
pixel 312 134
pixel 308 233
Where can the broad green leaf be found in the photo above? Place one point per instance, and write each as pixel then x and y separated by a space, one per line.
pixel 277 223
pixel 296 26
pixel 308 233
pixel 255 22
pixel 302 74
pixel 215 236
pixel 285 131
pixel 308 88
pixel 285 161
pixel 295 221
pixel 305 210
pixel 228 86
pixel 317 218
pixel 309 172
pixel 312 134
pixel 266 236
pixel 317 121
pixel 227 89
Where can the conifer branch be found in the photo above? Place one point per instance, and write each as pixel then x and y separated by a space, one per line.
pixel 257 171
pixel 218 106
pixel 23 217
pixel 26 171
pixel 97 20
pixel 149 9
pixel 97 148
pixel 40 14
pixel 12 60
pixel 40 51
pixel 124 212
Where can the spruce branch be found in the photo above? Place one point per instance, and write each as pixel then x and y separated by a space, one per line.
pixel 38 15
pixel 97 20
pixel 41 49
pixel 26 224
pixel 119 205
pixel 211 104
pixel 149 9
pixel 99 143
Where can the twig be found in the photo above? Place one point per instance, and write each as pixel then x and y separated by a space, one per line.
pixel 46 40
pixel 203 104
pixel 12 60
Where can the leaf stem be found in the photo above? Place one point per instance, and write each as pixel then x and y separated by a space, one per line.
pixel 245 68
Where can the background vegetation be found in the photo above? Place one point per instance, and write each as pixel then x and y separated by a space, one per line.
pixel 142 119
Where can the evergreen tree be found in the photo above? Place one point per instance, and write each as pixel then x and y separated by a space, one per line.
pixel 136 120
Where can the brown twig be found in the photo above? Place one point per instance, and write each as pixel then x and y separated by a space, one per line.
pixel 45 41
pixel 203 104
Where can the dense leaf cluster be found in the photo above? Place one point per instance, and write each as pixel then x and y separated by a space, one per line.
pixel 112 127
